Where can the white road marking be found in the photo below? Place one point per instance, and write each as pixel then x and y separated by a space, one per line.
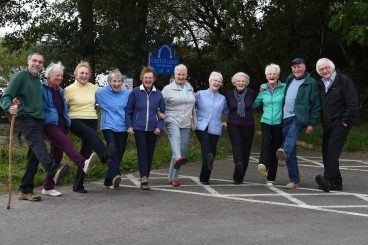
pixel 308 160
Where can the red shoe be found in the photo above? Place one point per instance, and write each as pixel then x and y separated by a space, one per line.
pixel 180 161
pixel 175 183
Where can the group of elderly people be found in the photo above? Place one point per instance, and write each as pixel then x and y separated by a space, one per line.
pixel 145 112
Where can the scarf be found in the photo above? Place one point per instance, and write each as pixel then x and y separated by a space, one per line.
pixel 239 97
pixel 55 87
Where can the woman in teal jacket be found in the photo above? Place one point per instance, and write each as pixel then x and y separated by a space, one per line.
pixel 271 95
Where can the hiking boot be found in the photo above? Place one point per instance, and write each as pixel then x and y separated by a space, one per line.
pixel 291 185
pixel 64 170
pixel 262 170
pixel 280 154
pixel 88 164
pixel 60 173
pixel 323 183
pixel 29 197
pixel 51 192
pixel 180 161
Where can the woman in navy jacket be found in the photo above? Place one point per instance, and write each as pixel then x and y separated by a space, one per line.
pixel 142 121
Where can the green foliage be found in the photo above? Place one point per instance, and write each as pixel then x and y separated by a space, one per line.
pixel 351 20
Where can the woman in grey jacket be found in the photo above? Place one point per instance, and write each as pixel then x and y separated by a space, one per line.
pixel 179 99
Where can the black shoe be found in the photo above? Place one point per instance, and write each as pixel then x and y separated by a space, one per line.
pixel 64 170
pixel 236 182
pixel 205 182
pixel 80 190
pixel 323 183
pixel 336 187
pixel 239 167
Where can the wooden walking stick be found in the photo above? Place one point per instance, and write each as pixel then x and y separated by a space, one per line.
pixel 10 159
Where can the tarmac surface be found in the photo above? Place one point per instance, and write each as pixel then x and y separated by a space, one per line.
pixel 219 213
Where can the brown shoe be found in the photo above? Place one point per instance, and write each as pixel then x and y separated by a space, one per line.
pixel 29 197
pixel 291 185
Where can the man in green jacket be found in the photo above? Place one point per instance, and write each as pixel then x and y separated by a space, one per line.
pixel 301 110
pixel 24 91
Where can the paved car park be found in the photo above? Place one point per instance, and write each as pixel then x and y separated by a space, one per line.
pixel 219 213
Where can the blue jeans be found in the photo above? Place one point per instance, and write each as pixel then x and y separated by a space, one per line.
pixel 119 141
pixel 291 129
pixel 179 139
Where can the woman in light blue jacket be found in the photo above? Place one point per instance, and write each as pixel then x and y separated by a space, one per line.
pixel 271 97
pixel 112 100
pixel 210 105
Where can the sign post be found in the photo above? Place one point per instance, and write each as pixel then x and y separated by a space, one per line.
pixel 164 59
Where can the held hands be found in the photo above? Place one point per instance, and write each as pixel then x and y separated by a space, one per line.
pixel 157 131
pixel 130 131
pixel 161 115
pixel 309 130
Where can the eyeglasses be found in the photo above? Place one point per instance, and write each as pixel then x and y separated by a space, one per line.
pixel 326 68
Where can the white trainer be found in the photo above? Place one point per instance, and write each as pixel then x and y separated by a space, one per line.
pixel 52 192
pixel 262 170
pixel 88 164
pixel 270 183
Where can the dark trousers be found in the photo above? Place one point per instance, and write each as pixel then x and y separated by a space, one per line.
pixel 60 143
pixel 32 129
pixel 271 141
pixel 118 140
pixel 241 138
pixel 332 143
pixel 145 143
pixel 208 145
pixel 86 129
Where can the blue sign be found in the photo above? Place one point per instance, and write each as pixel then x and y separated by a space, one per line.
pixel 164 60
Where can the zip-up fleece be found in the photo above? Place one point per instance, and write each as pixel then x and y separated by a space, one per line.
pixel 272 103
pixel 141 110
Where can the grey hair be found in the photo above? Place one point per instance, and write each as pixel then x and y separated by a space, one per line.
pixel 181 67
pixel 215 75
pixel 274 67
pixel 324 60
pixel 52 67
pixel 114 73
pixel 240 74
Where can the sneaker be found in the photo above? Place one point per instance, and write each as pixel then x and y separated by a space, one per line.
pixel 64 171
pixel 144 183
pixel 323 183
pixel 180 161
pixel 51 192
pixel 291 185
pixel 60 173
pixel 262 170
pixel 29 197
pixel 116 182
pixel 280 154
pixel 270 183
pixel 88 164
pixel 210 161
